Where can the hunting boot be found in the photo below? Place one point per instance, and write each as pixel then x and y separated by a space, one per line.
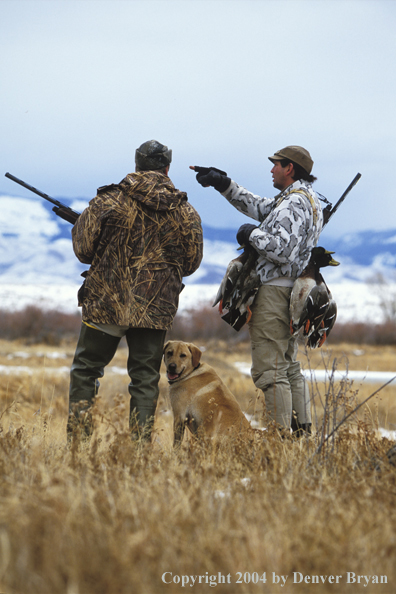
pixel 79 423
pixel 140 431
pixel 95 349
pixel 300 429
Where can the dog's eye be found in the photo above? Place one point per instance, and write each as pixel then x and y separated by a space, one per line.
pixel 169 354
pixel 182 355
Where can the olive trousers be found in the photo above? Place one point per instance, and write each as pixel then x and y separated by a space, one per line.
pixel 275 370
pixel 95 349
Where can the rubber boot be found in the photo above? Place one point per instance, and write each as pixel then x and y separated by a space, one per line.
pixel 300 429
pixel 95 349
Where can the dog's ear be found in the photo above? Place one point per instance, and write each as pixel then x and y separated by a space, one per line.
pixel 196 354
pixel 166 346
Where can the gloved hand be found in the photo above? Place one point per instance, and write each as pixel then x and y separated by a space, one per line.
pixel 244 232
pixel 211 176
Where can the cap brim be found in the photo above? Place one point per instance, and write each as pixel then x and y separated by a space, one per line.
pixel 275 158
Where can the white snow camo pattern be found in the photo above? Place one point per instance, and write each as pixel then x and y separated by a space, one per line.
pixel 289 227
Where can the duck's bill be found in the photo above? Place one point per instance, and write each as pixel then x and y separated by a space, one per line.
pixel 333 262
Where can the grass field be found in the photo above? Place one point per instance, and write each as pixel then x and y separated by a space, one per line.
pixel 122 517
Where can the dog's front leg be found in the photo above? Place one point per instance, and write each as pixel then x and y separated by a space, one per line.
pixel 178 429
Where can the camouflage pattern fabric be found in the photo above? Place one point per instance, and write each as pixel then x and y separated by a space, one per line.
pixel 290 225
pixel 140 238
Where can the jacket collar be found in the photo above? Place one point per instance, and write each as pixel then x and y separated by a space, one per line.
pixel 297 185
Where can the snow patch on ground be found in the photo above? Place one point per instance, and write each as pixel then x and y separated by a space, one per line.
pixel 324 375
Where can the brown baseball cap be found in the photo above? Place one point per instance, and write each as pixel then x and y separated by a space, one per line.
pixel 297 154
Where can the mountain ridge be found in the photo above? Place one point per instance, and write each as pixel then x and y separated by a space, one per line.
pixel 36 248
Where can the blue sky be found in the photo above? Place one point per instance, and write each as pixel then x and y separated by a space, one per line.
pixel 221 82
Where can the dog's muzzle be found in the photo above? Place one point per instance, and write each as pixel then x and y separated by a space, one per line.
pixel 172 375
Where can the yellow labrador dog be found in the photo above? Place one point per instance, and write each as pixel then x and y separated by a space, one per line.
pixel 198 396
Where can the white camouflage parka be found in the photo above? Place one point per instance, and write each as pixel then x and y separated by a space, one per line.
pixel 289 227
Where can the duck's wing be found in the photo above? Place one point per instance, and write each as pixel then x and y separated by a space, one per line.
pixel 318 306
pixel 239 312
pixel 308 305
pixel 308 309
pixel 229 279
pixel 331 315
pixel 320 334
pixel 241 294
pixel 235 318
pixel 316 339
pixel 236 272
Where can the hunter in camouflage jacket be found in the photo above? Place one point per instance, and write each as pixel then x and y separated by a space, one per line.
pixel 289 227
pixel 140 238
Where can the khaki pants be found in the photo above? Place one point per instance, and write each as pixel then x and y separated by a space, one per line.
pixel 275 370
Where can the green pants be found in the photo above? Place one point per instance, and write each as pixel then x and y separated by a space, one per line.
pixel 274 350
pixel 95 349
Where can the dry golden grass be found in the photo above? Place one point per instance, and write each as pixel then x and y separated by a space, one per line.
pixel 114 516
pixel 356 356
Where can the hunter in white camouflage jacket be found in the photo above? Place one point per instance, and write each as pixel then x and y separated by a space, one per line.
pixel 289 227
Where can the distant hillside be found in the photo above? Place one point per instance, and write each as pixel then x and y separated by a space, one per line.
pixel 36 248
pixel 362 256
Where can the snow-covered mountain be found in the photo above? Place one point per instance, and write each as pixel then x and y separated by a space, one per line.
pixel 35 247
pixel 35 244
pixel 37 262
pixel 364 257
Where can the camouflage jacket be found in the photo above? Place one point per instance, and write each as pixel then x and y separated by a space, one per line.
pixel 140 238
pixel 289 227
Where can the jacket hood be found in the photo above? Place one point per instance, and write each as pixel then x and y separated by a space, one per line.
pixel 154 189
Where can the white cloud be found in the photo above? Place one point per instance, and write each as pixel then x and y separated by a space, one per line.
pixel 223 82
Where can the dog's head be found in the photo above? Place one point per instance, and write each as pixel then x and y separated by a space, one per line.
pixel 181 358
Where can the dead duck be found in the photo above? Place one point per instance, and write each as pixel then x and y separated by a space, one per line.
pixel 238 289
pixel 311 299
pixel 319 335
pixel 227 285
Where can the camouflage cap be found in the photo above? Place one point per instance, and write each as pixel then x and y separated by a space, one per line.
pixel 152 155
pixel 294 153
